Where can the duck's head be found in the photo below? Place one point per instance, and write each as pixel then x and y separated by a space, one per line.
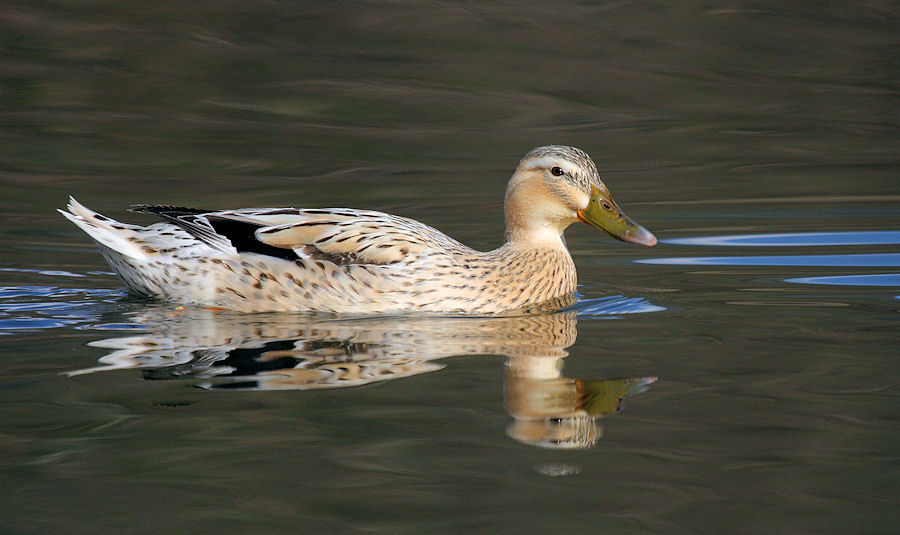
pixel 555 186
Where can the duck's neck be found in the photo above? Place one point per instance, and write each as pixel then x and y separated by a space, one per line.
pixel 532 221
pixel 535 237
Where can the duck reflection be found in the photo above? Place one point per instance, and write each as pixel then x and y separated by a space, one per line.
pixel 289 352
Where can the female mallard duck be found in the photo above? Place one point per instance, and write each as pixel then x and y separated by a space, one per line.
pixel 341 260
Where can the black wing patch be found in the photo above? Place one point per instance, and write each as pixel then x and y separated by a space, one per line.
pixel 218 232
pixel 243 238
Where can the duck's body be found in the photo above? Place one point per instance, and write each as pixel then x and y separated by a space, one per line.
pixel 342 260
pixel 350 261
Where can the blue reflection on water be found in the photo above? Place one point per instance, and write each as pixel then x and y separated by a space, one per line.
pixel 864 260
pixel 32 323
pixel 799 239
pixel 885 237
pixel 51 273
pixel 47 307
pixel 613 305
pixel 882 279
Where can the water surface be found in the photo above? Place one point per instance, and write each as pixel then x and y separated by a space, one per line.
pixel 740 377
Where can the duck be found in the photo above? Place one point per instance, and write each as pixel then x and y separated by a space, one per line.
pixel 362 262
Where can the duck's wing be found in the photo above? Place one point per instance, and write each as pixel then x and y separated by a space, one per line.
pixel 338 235
pixel 355 236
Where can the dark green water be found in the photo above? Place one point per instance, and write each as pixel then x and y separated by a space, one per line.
pixel 775 404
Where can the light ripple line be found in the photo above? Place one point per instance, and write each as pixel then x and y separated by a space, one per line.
pixel 880 279
pixel 847 260
pixel 794 239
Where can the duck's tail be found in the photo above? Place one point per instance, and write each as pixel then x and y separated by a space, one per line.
pixel 121 238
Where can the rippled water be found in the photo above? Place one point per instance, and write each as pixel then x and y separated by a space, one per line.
pixel 739 377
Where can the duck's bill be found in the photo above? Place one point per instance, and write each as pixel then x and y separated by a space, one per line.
pixel 603 213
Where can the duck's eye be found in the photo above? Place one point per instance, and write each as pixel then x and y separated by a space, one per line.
pixel 557 171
